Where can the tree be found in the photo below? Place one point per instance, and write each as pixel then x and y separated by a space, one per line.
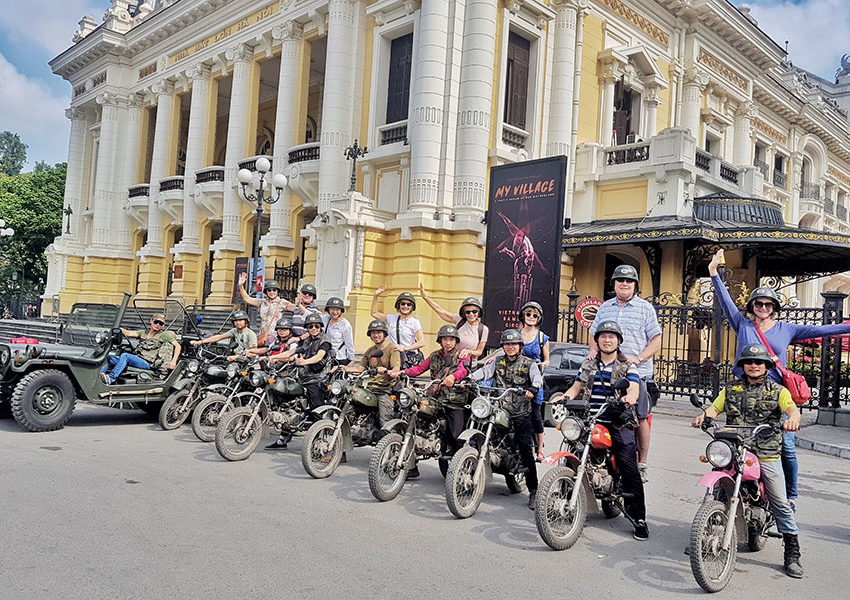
pixel 13 153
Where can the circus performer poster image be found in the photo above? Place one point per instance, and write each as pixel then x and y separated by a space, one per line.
pixel 524 238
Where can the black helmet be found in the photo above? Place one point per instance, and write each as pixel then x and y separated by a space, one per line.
pixel 283 324
pixel 378 325
pixel 471 301
pixel 405 296
pixel 448 331
pixel 240 314
pixel 764 292
pixel 609 327
pixel 536 307
pixel 313 319
pixel 755 352
pixel 271 284
pixel 334 302
pixel 510 336
pixel 309 288
pixel 625 272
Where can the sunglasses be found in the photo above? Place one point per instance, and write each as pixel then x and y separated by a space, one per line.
pixel 623 280
pixel 405 304
pixel 760 304
pixel 158 322
pixel 312 325
pixel 532 314
pixel 470 312
pixel 752 361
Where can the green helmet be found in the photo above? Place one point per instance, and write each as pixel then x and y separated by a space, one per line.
pixel 313 319
pixel 309 288
pixel 471 301
pixel 240 314
pixel 510 336
pixel 405 296
pixel 609 327
pixel 536 307
pixel 448 331
pixel 283 324
pixel 755 352
pixel 378 325
pixel 334 302
pixel 625 272
pixel 764 292
pixel 271 284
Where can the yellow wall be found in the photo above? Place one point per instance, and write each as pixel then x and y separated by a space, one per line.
pixel 589 103
pixel 663 115
pixel 621 200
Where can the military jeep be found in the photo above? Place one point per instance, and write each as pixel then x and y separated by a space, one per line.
pixel 42 382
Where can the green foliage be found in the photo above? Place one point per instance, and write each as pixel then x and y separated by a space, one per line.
pixel 31 204
pixel 13 153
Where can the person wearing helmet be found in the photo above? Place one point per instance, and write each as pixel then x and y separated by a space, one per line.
pixel 641 341
pixel 241 337
pixel 339 330
pixel 536 347
pixel 383 357
pixel 756 399
pixel 284 340
pixel 594 385
pixel 270 307
pixel 446 365
pixel 468 320
pixel 762 308
pixel 157 350
pixel 305 304
pixel 405 330
pixel 513 370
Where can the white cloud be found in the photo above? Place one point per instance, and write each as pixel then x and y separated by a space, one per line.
pixel 818 31
pixel 28 108
pixel 51 28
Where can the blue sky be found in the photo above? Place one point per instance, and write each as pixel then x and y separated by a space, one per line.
pixel 32 99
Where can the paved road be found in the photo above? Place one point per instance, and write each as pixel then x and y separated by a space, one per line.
pixel 113 507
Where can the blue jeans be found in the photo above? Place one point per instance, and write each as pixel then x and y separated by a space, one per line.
pixel 789 464
pixel 774 486
pixel 119 363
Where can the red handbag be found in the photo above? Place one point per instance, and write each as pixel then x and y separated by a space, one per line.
pixel 794 382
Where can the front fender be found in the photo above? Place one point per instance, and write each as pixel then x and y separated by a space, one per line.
pixel 182 383
pixel 471 434
pixel 395 425
pixel 570 459
pixel 712 478
pixel 321 411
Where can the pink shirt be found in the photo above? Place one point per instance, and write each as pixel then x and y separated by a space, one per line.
pixel 469 338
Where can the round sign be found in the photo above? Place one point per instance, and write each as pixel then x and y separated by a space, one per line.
pixel 586 311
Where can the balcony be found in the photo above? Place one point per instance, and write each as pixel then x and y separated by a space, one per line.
pixel 393 133
pixel 136 204
pixel 628 153
pixel 209 175
pixel 829 206
pixel 841 212
pixel 250 163
pixel 304 153
pixel 513 136
pixel 304 172
pixel 810 190
pixel 170 197
pixel 780 179
pixel 138 191
pixel 209 190
pixel 702 160
pixel 729 173
pixel 763 167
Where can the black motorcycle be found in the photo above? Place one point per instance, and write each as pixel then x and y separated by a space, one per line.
pixel 221 398
pixel 204 374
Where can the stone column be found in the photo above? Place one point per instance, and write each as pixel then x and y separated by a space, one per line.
pixel 475 100
pixel 121 236
pixel 695 84
pixel 75 172
pixel 105 197
pixel 563 68
pixel 607 81
pixel 651 101
pixel 742 149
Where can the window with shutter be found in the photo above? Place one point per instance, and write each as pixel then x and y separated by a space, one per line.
pixel 398 85
pixel 516 84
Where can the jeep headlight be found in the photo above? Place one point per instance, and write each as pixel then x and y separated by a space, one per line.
pixel 258 378
pixel 99 338
pixel 719 453
pixel 571 429
pixel 232 370
pixel 337 387
pixel 481 408
pixel 405 399
pixel 194 366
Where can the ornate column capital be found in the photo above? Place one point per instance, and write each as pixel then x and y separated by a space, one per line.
pixel 289 30
pixel 76 113
pixel 650 96
pixel 239 53
pixel 747 110
pixel 163 87
pixel 134 100
pixel 697 78
pixel 565 4
pixel 108 99
pixel 199 70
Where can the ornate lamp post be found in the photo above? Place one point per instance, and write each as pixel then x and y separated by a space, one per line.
pixel 353 152
pixel 67 211
pixel 246 177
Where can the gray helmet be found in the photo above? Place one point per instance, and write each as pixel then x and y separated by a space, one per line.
pixel 609 327
pixel 283 324
pixel 334 302
pixel 536 307
pixel 764 292
pixel 471 301
pixel 378 325
pixel 309 288
pixel 405 296
pixel 271 284
pixel 510 336
pixel 448 331
pixel 240 314
pixel 625 272
pixel 755 352
pixel 313 319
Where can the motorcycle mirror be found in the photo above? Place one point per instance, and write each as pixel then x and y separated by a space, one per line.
pixel 696 401
pixel 621 385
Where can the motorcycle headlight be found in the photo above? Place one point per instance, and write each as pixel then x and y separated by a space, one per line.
pixel 99 338
pixel 232 370
pixel 719 453
pixel 405 399
pixel 194 366
pixel 337 387
pixel 481 408
pixel 258 378
pixel 571 429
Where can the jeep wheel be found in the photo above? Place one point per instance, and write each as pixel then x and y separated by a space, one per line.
pixel 43 400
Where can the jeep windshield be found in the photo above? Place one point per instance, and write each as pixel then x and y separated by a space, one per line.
pixel 86 321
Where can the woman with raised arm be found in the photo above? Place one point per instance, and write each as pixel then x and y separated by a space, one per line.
pixel 271 307
pixel 406 333
pixel 468 320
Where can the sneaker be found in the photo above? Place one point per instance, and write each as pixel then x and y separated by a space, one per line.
pixel 105 378
pixel 641 532
pixel 642 471
pixel 413 473
pixel 532 499
pixel 278 444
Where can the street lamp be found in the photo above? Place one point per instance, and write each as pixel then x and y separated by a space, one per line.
pixel 245 177
pixel 5 231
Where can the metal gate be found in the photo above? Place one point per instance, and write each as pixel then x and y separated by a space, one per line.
pixel 287 278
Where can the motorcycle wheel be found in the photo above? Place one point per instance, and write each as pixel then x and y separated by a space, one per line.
pixel 557 525
pixel 172 415
pixel 712 566
pixel 319 459
pixel 755 539
pixel 209 412
pixel 235 439
pixel 610 509
pixel 463 494
pixel 385 479
pixel 515 482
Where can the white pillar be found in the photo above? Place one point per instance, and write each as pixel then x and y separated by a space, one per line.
pixel 742 149
pixel 127 170
pixel 164 91
pixel 695 84
pixel 475 100
pixel 650 108
pixel 105 198
pixel 76 165
pixel 563 67
pixel 608 79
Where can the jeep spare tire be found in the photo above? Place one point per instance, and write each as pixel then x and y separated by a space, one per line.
pixel 43 400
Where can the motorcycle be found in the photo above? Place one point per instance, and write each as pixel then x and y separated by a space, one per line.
pixel 490 445
pixel 220 399
pixel 205 374
pixel 735 504
pixel 419 434
pixel 585 471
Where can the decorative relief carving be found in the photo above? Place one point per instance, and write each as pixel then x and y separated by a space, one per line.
pixel 358 257
pixel 727 73
pixel 290 30
pixel 76 113
pixel 239 53
pixel 148 70
pixel 80 89
pixel 198 71
pixel 163 86
pixel 98 80
pixel 638 20
pixel 770 131
pixel 838 175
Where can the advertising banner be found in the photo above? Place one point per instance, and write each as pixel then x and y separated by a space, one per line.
pixel 245 264
pixel 524 237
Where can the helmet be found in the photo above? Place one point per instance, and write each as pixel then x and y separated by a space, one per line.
pixel 283 324
pixel 625 272
pixel 378 325
pixel 240 314
pixel 313 319
pixel 471 301
pixel 510 336
pixel 309 288
pixel 334 302
pixel 763 292
pixel 536 307
pixel 755 352
pixel 271 284
pixel 448 331
pixel 609 327
pixel 405 296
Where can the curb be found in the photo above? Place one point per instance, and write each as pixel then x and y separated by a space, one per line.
pixel 822 447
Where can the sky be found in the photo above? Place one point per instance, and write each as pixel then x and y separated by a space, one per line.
pixel 33 100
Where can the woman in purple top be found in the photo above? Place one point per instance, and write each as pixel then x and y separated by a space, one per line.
pixel 779 334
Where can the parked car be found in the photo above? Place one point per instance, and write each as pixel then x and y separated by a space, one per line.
pixel 564 363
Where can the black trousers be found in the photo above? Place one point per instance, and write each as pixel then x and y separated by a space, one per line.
pixel 315 394
pixel 456 417
pixel 625 453
pixel 523 429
